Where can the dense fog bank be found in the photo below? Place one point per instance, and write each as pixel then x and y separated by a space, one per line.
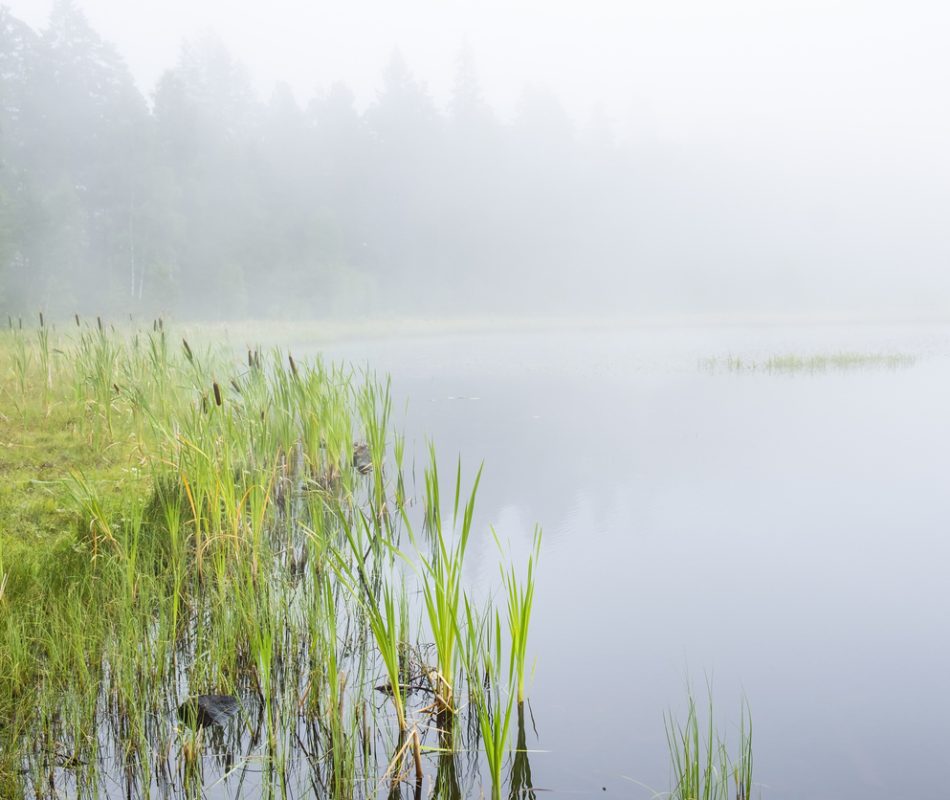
pixel 204 200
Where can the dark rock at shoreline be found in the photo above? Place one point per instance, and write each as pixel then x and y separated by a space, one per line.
pixel 362 459
pixel 208 709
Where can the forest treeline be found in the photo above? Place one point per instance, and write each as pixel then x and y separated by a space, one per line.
pixel 207 201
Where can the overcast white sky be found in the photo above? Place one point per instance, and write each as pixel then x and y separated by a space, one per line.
pixel 841 74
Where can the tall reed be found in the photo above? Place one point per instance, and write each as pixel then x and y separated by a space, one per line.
pixel 494 707
pixel 442 577
pixel 520 597
pixel 700 761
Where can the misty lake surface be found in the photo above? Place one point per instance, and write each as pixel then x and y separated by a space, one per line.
pixel 781 536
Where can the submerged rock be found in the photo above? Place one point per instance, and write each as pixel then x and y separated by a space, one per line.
pixel 208 709
pixel 362 460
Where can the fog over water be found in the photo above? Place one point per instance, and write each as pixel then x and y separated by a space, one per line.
pixel 779 535
pixel 291 159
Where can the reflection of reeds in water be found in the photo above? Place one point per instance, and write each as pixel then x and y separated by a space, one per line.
pixel 519 782
pixel 815 363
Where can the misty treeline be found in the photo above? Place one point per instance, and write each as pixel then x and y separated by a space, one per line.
pixel 205 200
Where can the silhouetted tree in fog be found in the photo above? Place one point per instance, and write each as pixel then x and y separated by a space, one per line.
pixel 19 56
pixel 73 124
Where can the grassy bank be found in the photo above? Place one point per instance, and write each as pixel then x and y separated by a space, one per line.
pixel 50 584
pixel 176 523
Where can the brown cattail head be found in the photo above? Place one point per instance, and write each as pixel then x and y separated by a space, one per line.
pixel 217 394
pixel 204 403
pixel 188 354
pixel 41 319
pixel 293 366
pixel 76 317
pixel 99 323
pixel 235 385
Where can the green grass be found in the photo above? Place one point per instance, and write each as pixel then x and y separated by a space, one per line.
pixel 176 522
pixel 520 597
pixel 442 573
pixel 494 705
pixel 703 767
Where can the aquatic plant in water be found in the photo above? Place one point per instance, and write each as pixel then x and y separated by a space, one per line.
pixel 702 766
pixel 791 363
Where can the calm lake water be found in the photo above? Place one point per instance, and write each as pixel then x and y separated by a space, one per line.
pixel 784 537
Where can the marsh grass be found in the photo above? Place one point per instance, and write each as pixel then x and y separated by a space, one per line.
pixel 791 363
pixel 520 599
pixel 494 706
pixel 442 579
pixel 178 523
pixel 702 766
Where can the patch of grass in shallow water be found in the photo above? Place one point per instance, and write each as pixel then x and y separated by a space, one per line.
pixel 814 363
pixel 703 765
